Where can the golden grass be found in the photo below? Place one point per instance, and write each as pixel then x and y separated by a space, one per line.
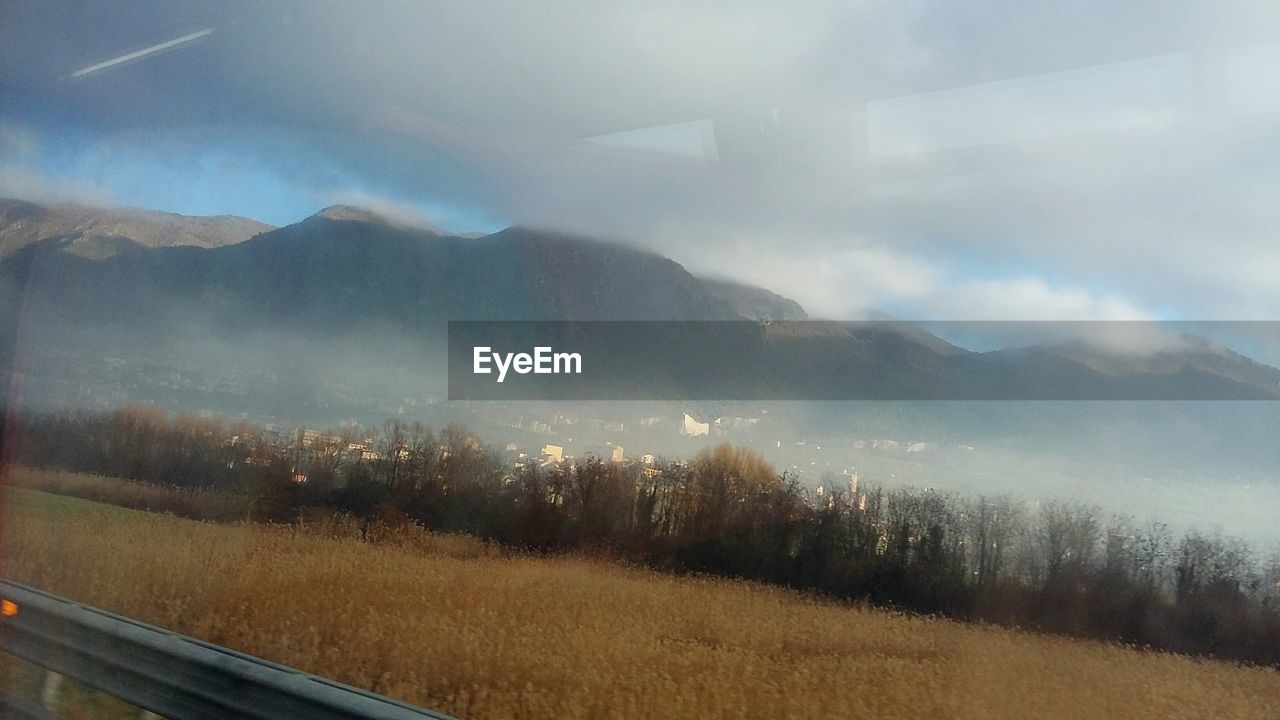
pixel 479 634
pixel 200 503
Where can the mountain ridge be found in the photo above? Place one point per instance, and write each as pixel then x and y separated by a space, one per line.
pixel 346 272
pixel 99 232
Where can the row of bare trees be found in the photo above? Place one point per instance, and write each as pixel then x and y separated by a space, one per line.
pixel 1055 566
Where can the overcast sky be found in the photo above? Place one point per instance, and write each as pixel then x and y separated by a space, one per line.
pixel 932 159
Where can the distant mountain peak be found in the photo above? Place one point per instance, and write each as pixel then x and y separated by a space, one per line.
pixel 358 214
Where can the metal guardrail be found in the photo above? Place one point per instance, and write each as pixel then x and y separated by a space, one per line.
pixel 171 675
pixel 13 707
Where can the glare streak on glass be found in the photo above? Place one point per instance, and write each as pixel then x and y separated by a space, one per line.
pixel 137 54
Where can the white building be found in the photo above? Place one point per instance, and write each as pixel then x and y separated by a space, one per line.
pixel 692 428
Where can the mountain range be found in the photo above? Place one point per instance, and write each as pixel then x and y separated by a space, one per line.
pixel 140 279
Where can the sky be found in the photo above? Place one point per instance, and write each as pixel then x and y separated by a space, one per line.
pixel 925 158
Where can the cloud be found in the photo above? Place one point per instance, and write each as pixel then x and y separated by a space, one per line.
pixel 19 178
pixel 859 282
pixel 25 183
pixel 17 143
pixel 1025 299
pixel 396 211
pixel 1004 159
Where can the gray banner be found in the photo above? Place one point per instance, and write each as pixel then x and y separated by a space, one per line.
pixel 875 360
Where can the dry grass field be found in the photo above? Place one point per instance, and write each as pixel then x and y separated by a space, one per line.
pixel 201 504
pixel 454 625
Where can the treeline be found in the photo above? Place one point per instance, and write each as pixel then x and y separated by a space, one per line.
pixel 1056 567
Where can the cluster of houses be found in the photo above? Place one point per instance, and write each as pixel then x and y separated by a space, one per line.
pixel 689 426
pixel 554 455
pixel 307 444
pixel 320 441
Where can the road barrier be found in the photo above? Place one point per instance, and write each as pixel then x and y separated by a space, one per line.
pixel 170 675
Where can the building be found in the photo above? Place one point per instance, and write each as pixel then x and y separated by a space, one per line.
pixel 692 428
pixel 730 422
pixel 607 425
pixel 617 454
pixel 538 426
pixel 554 453
pixel 852 475
pixel 361 451
pixel 308 437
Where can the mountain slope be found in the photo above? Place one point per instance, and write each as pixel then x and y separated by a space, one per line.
pixel 337 271
pixel 755 302
pixel 102 232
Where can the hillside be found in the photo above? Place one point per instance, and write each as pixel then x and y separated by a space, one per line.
pixel 450 624
pixel 755 302
pixel 101 232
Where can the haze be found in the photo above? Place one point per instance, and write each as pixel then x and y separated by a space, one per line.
pixel 1077 162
